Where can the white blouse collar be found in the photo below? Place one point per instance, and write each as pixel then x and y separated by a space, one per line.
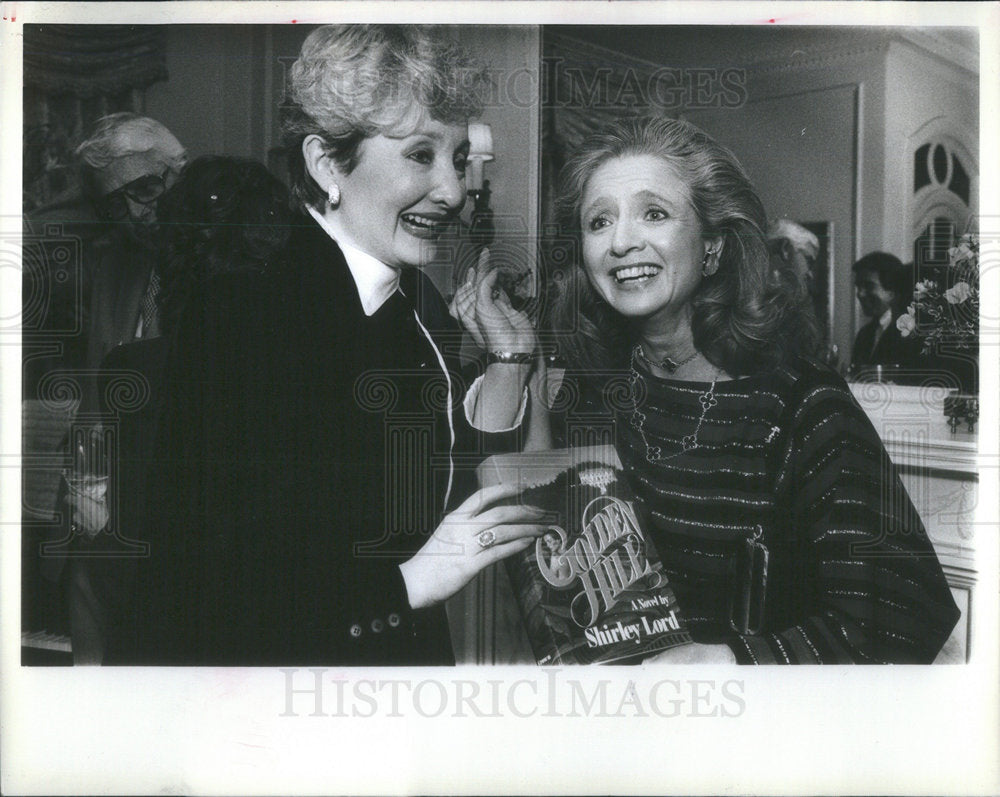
pixel 375 281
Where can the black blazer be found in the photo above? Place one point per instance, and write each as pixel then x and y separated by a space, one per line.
pixel 121 275
pixel 303 457
pixel 892 348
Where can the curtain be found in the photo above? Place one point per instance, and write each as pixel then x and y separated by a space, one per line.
pixel 73 75
pixel 90 60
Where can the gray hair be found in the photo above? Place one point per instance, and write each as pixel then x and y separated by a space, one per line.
pixel 119 135
pixel 792 231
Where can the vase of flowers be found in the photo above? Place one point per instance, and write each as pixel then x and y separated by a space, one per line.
pixel 944 315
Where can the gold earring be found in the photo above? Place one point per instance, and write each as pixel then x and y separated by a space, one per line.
pixel 704 263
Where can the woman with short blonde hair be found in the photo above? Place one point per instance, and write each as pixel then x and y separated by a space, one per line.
pixel 320 465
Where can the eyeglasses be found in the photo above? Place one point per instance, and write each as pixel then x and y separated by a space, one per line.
pixel 144 190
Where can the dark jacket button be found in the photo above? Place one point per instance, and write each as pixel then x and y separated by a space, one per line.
pixel 355 630
pixel 377 626
pixel 393 619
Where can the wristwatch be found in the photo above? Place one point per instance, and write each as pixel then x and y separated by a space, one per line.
pixel 508 357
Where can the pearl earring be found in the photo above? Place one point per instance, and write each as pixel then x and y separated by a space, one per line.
pixel 333 195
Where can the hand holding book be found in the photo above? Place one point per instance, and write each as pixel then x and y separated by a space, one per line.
pixel 592 589
pixel 469 539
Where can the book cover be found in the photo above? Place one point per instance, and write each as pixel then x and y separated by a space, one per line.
pixel 591 590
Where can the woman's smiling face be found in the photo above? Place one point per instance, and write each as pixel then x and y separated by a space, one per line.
pixel 643 245
pixel 403 191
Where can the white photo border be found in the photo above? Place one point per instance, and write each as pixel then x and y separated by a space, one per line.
pixel 840 730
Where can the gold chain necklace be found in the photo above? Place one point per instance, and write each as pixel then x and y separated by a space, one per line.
pixel 668 364
pixel 689 442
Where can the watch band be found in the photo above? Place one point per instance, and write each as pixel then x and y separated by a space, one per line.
pixel 508 357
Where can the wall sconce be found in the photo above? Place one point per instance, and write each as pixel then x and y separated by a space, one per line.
pixel 480 152
pixel 481 230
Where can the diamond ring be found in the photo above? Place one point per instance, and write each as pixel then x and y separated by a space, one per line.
pixel 486 538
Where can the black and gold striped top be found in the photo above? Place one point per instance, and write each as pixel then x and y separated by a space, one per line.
pixel 851 575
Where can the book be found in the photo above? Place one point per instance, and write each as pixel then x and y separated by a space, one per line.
pixel 591 590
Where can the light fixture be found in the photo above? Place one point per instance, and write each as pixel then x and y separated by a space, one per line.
pixel 480 152
pixel 481 230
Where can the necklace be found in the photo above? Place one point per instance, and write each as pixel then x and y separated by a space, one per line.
pixel 668 364
pixel 689 442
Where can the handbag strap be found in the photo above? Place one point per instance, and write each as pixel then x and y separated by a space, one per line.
pixel 747 603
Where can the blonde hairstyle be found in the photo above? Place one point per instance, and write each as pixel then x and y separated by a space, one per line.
pixel 352 82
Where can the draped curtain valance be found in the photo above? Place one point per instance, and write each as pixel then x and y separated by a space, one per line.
pixel 74 74
pixel 90 60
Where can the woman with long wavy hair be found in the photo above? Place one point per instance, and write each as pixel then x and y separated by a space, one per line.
pixel 774 507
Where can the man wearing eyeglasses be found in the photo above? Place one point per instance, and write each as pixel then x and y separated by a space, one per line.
pixel 126 165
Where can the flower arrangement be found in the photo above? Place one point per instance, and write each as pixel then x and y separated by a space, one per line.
pixel 948 316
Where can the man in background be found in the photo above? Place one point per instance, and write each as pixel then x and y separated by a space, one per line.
pixel 883 287
pixel 126 164
pixel 794 250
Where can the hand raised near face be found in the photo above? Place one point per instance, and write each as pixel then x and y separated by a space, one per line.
pixel 484 309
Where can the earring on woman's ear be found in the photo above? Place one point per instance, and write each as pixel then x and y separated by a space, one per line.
pixel 705 261
pixel 333 195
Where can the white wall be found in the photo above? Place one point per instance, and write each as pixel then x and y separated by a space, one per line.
pixel 511 54
pixel 924 96
pixel 809 138
pixel 849 165
pixel 799 149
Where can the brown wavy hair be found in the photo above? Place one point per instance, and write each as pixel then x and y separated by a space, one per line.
pixel 742 321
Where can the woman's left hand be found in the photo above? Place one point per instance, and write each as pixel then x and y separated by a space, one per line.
pixel 486 312
pixel 694 653
pixel 469 539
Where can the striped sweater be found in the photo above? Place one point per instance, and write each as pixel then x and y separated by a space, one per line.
pixel 851 575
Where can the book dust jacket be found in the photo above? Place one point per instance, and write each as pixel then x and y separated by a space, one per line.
pixel 591 590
